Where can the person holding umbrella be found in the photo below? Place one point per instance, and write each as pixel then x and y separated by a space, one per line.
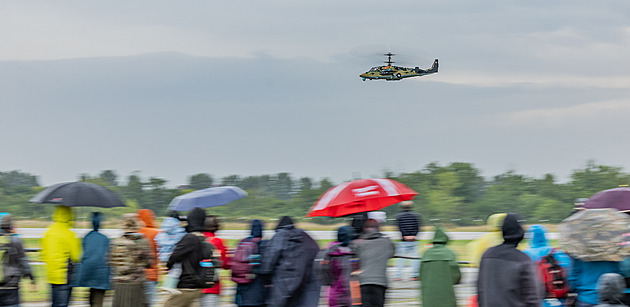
pixel 60 251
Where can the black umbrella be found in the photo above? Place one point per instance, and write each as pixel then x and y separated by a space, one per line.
pixel 78 194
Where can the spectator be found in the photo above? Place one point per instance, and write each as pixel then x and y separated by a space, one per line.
pixel 149 231
pixel 409 227
pixel 357 222
pixel 94 272
pixel 171 232
pixel 506 275
pixel 130 256
pixel 15 264
pixel 253 293
pixel 60 252
pixel 288 258
pixel 494 237
pixel 340 253
pixel 583 277
pixel 188 251
pixel 610 287
pixel 373 250
pixel 210 297
pixel 439 272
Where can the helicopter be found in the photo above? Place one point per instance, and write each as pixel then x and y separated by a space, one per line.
pixel 391 73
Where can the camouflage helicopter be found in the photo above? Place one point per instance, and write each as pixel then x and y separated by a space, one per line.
pixel 390 72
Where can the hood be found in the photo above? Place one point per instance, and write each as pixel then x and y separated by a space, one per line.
pixel 610 288
pixel 440 236
pixel 62 214
pixel 371 234
pixel 257 229
pixel 147 217
pixel 172 226
pixel 196 219
pixel 495 221
pixel 5 222
pixel 129 222
pixel 96 220
pixel 285 223
pixel 345 234
pixel 513 233
pixel 537 236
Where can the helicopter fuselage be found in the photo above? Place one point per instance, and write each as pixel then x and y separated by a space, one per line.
pixel 391 73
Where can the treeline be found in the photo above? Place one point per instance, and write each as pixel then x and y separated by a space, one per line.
pixel 455 194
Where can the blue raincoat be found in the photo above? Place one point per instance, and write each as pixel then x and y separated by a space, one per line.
pixel 171 232
pixel 94 271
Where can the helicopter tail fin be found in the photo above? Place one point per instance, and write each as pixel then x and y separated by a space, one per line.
pixel 435 66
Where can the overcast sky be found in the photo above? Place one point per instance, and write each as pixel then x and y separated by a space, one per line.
pixel 172 88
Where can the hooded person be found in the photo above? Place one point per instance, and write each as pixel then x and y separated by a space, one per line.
pixel 611 287
pixel 538 247
pixel 583 278
pixel 210 296
pixel 340 253
pixel 15 263
pixel 253 293
pixel 506 275
pixel 171 231
pixel 494 237
pixel 130 255
pixel 188 251
pixel 288 258
pixel 94 272
pixel 147 217
pixel 60 251
pixel 439 272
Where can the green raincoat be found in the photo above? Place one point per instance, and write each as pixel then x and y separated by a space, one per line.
pixel 439 271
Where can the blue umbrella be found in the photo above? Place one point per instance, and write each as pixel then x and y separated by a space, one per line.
pixel 210 197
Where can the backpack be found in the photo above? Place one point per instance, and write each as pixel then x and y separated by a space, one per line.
pixel 553 276
pixel 5 251
pixel 246 261
pixel 208 265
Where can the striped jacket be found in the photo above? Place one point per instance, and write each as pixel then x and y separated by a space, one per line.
pixel 408 223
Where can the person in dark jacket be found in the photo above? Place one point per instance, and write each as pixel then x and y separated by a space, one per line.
pixel 188 251
pixel 255 292
pixel 94 272
pixel 288 258
pixel 506 275
pixel 17 267
pixel 610 288
pixel 373 250
pixel 409 227
pixel 439 272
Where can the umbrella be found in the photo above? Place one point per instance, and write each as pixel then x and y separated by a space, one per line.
pixel 596 235
pixel 210 197
pixel 360 196
pixel 78 194
pixel 617 198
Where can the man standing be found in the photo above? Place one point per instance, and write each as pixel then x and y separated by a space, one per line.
pixel 506 275
pixel 409 226
pixel 14 264
pixel 60 250
pixel 374 250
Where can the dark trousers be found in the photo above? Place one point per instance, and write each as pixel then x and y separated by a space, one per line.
pixel 60 295
pixel 96 297
pixel 373 296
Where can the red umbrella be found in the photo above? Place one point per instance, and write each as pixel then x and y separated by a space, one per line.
pixel 360 196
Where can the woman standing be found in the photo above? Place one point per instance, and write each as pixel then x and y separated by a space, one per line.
pixel 94 270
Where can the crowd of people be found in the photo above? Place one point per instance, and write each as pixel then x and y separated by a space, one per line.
pixel 184 258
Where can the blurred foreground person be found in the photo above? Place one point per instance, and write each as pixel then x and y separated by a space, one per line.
pixel 409 226
pixel 171 232
pixel 130 256
pixel 438 273
pixel 583 277
pixel 189 252
pixel 373 250
pixel 251 287
pixel 540 250
pixel 94 272
pixel 494 237
pixel 14 264
pixel 210 296
pixel 147 217
pixel 60 252
pixel 288 258
pixel 611 287
pixel 506 275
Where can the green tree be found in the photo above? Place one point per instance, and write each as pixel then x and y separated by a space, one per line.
pixel 109 177
pixel 200 181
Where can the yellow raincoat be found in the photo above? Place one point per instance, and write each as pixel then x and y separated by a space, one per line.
pixel 59 245
pixel 494 237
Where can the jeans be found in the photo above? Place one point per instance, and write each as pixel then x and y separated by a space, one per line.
pixel 60 295
pixel 149 289
pixel 409 249
pixel 209 300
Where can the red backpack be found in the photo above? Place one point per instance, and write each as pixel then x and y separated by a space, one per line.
pixel 553 276
pixel 246 261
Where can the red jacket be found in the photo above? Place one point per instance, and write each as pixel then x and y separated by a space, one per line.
pixel 220 245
